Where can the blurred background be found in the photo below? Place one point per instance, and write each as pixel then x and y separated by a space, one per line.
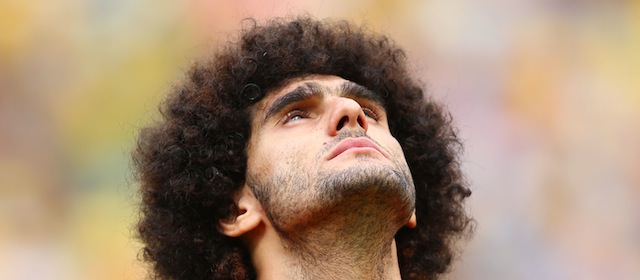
pixel 545 93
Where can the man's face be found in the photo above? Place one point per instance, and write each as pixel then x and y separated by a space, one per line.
pixel 321 148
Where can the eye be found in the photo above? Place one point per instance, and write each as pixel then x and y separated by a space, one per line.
pixel 370 113
pixel 294 115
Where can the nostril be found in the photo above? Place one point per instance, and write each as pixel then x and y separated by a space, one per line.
pixel 342 122
pixel 360 121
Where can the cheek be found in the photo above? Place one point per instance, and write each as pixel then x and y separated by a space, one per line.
pixel 277 157
pixel 389 142
pixel 397 148
pixel 258 163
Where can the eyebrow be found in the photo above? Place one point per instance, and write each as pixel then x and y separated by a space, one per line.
pixel 315 90
pixel 303 92
pixel 356 91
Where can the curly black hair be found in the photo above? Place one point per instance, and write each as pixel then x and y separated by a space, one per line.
pixel 191 162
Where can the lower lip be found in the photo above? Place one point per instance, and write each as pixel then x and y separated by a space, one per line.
pixel 358 150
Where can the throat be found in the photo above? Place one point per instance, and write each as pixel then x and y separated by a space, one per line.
pixel 346 261
pixel 339 247
pixel 341 227
pixel 336 259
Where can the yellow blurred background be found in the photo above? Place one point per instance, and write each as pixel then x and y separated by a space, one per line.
pixel 546 95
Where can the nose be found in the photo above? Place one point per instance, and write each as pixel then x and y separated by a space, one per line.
pixel 346 114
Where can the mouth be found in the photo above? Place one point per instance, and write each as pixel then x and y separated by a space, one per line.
pixel 355 145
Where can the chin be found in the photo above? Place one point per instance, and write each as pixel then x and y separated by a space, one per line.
pixel 379 183
pixel 368 192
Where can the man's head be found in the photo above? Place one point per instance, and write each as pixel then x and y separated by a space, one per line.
pixel 306 115
pixel 320 152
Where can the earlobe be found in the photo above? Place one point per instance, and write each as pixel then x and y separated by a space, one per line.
pixel 248 217
pixel 413 220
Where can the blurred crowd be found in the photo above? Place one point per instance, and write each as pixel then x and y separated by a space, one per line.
pixel 545 94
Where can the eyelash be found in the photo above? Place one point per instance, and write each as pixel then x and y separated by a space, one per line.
pixel 288 117
pixel 370 113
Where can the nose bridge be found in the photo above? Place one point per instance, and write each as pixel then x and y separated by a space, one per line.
pixel 346 112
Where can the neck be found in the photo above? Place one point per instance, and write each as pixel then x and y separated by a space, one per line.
pixel 350 239
pixel 275 258
pixel 345 261
pixel 327 253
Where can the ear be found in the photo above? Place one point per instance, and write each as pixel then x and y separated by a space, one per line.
pixel 249 214
pixel 413 220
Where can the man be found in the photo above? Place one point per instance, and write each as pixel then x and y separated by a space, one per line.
pixel 303 151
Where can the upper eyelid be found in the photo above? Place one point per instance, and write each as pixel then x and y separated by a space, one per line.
pixel 302 106
pixel 289 113
pixel 299 95
pixel 286 114
pixel 372 111
pixel 372 105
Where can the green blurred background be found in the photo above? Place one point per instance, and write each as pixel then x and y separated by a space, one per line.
pixel 546 95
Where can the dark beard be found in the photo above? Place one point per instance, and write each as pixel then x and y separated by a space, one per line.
pixel 358 185
pixel 377 192
pixel 350 217
pixel 359 195
pixel 367 192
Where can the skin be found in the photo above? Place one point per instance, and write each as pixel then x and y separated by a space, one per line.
pixel 327 184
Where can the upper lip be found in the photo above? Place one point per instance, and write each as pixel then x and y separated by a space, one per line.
pixel 358 142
